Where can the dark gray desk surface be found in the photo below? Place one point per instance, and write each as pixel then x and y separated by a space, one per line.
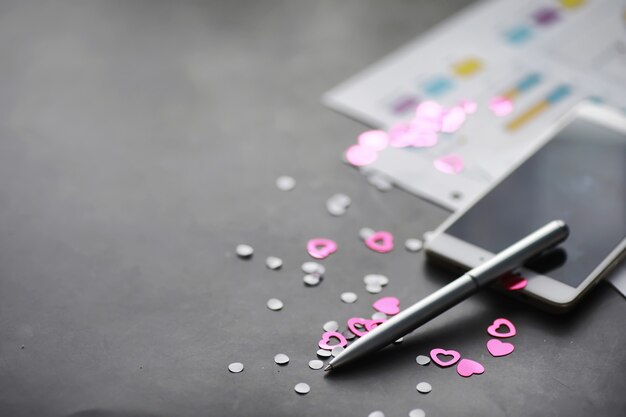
pixel 139 144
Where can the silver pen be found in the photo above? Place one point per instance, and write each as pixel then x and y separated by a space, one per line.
pixel 458 290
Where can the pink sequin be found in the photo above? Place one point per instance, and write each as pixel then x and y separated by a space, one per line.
pixel 327 336
pixel 320 248
pixel 387 305
pixel 434 355
pixel 359 156
pixel 493 329
pixel 449 164
pixel 468 367
pixel 500 106
pixel 499 348
pixel 424 139
pixel 452 119
pixel 374 139
pixel 429 110
pixel 381 242
pixel 400 135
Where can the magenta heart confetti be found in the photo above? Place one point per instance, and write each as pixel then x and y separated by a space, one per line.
pixel 372 324
pixel 321 248
pixel 468 367
pixel 326 338
pixel 434 355
pixel 352 325
pixel 493 329
pixel 499 348
pixel 381 242
pixel 449 164
pixel 387 305
pixel 513 282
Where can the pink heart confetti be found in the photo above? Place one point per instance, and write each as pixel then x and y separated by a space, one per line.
pixel 493 329
pixel 359 156
pixel 327 336
pixel 449 164
pixel 381 242
pixel 374 139
pixel 513 282
pixel 499 348
pixel 500 106
pixel 468 367
pixel 452 119
pixel 320 248
pixel 352 325
pixel 434 355
pixel 372 324
pixel 387 305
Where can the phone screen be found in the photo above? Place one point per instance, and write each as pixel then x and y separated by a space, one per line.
pixel 579 176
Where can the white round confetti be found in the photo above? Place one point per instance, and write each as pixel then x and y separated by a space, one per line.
pixel 330 326
pixel 424 387
pixel 313 268
pixel 285 183
pixel 244 251
pixel 316 364
pixel 422 360
pixel 349 297
pixel 376 279
pixel 373 288
pixel 376 413
pixel 413 245
pixel 311 280
pixel 323 353
pixel 379 315
pixel 235 367
pixel 348 335
pixel 341 199
pixel 337 350
pixel 418 412
pixel 302 388
pixel 274 304
pixel 366 232
pixel 273 262
pixel 281 359
pixel 335 209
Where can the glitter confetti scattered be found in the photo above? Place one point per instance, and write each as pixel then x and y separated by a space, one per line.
pixel 422 360
pixel 468 367
pixel 349 297
pixel 500 106
pixel 387 305
pixel 337 205
pixel 235 367
pixel 324 342
pixel 413 245
pixel 330 326
pixel 417 412
pixel 499 348
pixel 302 388
pixel 434 355
pixel 381 242
pixel 316 364
pixel 244 251
pixel 374 139
pixel 285 183
pixel 273 262
pixel 359 156
pixel 274 304
pixel 321 248
pixel 449 164
pixel 424 387
pixel 493 329
pixel 313 268
pixel 281 359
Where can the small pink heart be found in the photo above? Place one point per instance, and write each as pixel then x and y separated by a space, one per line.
pixel 323 343
pixel 499 348
pixel 513 282
pixel 372 324
pixel 434 355
pixel 493 329
pixel 468 367
pixel 381 242
pixel 320 248
pixel 387 305
pixel 352 325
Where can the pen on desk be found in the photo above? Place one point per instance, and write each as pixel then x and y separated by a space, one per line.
pixel 458 290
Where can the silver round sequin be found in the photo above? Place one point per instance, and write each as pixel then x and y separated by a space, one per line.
pixel 365 232
pixel 413 245
pixel 273 262
pixel 376 279
pixel 316 364
pixel 379 315
pixel 424 387
pixel 313 268
pixel 311 280
pixel 376 413
pixel 422 360
pixel 337 350
pixel 349 297
pixel 285 183
pixel 274 304
pixel 330 326
pixel 348 335
pixel 302 388
pixel 244 251
pixel 418 412
pixel 323 353
pixel 235 367
pixel 373 288
pixel 335 209
pixel 338 204
pixel 281 359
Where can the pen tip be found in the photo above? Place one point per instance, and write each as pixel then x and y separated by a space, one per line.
pixel 328 367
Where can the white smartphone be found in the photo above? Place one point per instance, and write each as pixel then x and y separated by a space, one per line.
pixel 577 174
